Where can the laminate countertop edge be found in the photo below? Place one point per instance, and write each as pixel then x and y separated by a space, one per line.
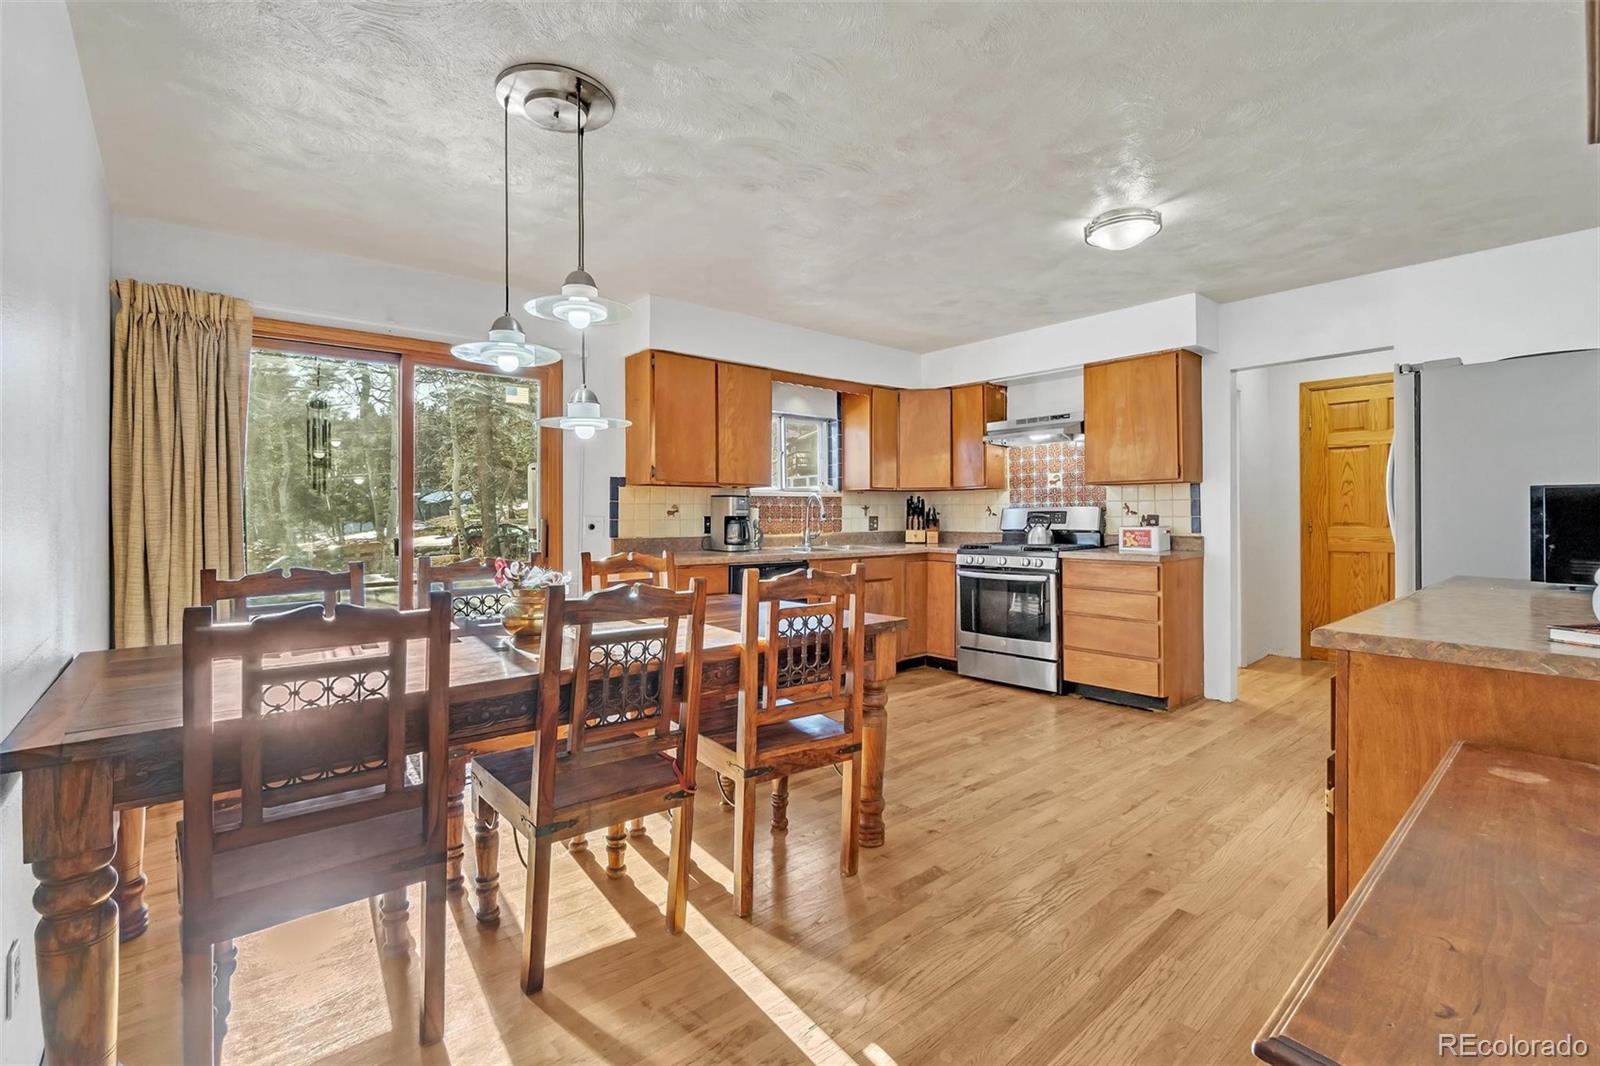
pixel 1493 623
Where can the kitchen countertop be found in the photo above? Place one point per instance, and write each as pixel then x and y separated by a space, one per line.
pixel 1473 621
pixel 1133 557
pixel 789 553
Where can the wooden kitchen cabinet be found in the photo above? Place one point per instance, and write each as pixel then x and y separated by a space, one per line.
pixel 744 425
pixel 1134 627
pixel 870 432
pixel 914 641
pixel 924 438
pixel 716 575
pixel 974 464
pixel 1141 422
pixel 941 607
pixel 697 421
pixel 671 401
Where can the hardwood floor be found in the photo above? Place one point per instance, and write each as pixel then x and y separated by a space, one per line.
pixel 1063 881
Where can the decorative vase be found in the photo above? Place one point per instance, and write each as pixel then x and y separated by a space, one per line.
pixel 523 616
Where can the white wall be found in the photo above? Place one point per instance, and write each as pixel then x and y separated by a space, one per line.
pixel 55 583
pixel 1539 296
pixel 1269 497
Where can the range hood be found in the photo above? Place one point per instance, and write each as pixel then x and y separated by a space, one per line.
pixel 1041 429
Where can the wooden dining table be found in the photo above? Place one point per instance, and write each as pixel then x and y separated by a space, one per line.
pixel 107 737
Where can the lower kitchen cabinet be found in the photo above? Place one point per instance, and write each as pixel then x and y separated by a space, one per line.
pixel 1131 630
pixel 939 620
pixel 716 575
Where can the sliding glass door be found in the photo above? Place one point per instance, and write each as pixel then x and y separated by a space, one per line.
pixel 362 447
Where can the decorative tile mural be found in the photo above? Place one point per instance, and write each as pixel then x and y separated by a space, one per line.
pixel 781 515
pixel 1051 475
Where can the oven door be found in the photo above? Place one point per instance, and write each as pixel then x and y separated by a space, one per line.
pixel 1007 612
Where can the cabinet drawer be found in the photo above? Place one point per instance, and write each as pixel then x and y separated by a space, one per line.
pixel 1128 577
pixel 1111 635
pixel 1113 671
pixel 1139 606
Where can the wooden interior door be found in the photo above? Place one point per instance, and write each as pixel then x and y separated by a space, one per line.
pixel 1346 546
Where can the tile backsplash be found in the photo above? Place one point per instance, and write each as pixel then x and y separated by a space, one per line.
pixel 1040 475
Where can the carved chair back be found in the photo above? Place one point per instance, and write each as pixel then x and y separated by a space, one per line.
pixel 235 593
pixel 324 713
pixel 802 649
pixel 627 568
pixel 625 691
pixel 470 583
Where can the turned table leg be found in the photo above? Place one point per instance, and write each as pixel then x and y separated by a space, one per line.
pixel 875 736
pixel 69 840
pixel 486 850
pixel 394 910
pixel 616 850
pixel 780 804
pixel 636 827
pixel 135 916
pixel 455 805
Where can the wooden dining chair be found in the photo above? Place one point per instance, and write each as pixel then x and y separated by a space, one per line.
pixel 597 574
pixel 801 659
pixel 474 597
pixel 629 746
pixel 327 812
pixel 628 567
pixel 296 581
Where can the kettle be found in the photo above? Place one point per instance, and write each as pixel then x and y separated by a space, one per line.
pixel 1039 533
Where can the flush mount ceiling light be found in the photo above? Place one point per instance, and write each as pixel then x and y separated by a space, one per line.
pixel 583 415
pixel 564 100
pixel 1122 228
pixel 507 349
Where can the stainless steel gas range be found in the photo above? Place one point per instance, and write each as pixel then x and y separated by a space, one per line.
pixel 1008 595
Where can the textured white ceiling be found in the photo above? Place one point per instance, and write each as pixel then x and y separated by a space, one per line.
pixel 913 174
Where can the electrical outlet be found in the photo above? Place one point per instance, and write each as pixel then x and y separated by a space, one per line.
pixel 872 523
pixel 13 978
pixel 708 524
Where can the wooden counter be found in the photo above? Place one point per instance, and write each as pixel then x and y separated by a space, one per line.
pixel 1480 917
pixel 1467 659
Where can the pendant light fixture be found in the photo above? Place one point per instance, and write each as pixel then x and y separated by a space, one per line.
pixel 583 415
pixel 507 349
pixel 565 100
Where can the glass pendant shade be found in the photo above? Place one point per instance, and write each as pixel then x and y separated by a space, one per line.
pixel 579 304
pixel 507 349
pixel 583 416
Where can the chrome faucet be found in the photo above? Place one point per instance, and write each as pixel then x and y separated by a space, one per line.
pixel 805 520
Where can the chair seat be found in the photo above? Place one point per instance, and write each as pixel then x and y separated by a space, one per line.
pixel 511 772
pixel 292 858
pixel 777 737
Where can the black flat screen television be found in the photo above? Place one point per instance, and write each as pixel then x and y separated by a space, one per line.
pixel 1564 521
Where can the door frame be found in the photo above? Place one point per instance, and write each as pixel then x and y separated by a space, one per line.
pixel 408 353
pixel 1307 389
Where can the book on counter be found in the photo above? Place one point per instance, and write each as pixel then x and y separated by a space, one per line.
pixel 1587 635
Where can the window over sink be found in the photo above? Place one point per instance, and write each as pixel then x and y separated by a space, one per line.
pixel 805 439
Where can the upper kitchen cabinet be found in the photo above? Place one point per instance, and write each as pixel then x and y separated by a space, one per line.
pixel 974 464
pixel 925 438
pixel 870 427
pixel 744 425
pixel 1141 422
pixel 672 441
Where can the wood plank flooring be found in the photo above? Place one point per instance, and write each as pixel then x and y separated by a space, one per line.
pixel 1064 881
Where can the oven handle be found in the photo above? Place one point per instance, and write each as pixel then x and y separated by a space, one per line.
pixel 1026 579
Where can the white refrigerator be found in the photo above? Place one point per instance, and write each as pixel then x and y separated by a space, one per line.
pixel 1469 444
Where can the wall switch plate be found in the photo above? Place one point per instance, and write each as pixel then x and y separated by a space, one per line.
pixel 872 523
pixel 13 978
pixel 708 523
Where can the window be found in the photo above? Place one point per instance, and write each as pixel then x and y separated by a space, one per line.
pixel 358 452
pixel 805 439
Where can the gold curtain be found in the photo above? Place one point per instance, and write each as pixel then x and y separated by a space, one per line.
pixel 179 366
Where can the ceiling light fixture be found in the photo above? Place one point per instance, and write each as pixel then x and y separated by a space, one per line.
pixel 583 415
pixel 1121 229
pixel 507 349
pixel 565 100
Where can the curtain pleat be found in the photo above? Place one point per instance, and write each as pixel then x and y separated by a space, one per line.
pixel 180 364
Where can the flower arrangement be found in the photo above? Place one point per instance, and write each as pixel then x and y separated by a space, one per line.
pixel 516 574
